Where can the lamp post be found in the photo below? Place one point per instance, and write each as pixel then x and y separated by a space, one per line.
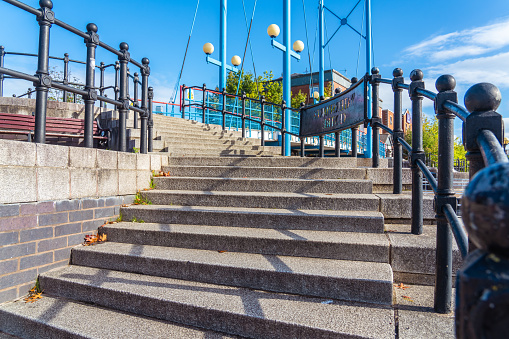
pixel 298 46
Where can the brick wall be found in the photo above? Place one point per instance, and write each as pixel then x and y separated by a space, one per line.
pixel 51 196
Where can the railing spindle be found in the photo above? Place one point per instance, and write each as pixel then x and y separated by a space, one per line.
pixel 66 76
pixel 91 43
pixel 355 133
pixel 243 114
pixel 262 119
pixel 417 151
pixel 283 127
pixel 136 81
pixel 150 134
pixel 398 132
pixel 124 109
pixel 145 72
pixel 223 110
pixel 204 102
pixel 375 117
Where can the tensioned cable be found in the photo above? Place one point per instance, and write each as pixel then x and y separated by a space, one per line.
pixel 245 48
pixel 185 54
pixel 328 48
pixel 249 41
pixel 360 41
pixel 309 50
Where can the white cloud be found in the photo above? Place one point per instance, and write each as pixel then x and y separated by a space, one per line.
pixel 466 43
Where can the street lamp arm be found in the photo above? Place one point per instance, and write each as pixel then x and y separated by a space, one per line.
pixel 213 61
pixel 282 48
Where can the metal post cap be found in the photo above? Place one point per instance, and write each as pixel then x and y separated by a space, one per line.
pixel 91 27
pixel 152 88
pixel 354 80
pixel 136 74
pixel 66 54
pixel 445 82
pixel 398 72
pixel 485 209
pixel 375 70
pixel 482 97
pixel 124 46
pixel 46 3
pixel 416 75
pixel 145 61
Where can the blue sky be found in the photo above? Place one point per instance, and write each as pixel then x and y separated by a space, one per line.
pixel 468 39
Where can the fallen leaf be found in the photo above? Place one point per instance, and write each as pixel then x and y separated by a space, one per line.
pixel 221 251
pixel 402 286
pixel 124 205
pixel 390 231
pixel 33 295
pixel 93 239
pixel 407 298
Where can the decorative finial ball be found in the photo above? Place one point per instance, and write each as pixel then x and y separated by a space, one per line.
pixel 208 48
pixel 445 82
pixel 416 75
pixel 152 88
pixel 124 46
pixel 354 80
pixel 337 91
pixel 145 61
pixel 91 27
pixel 485 209
pixel 398 72
pixel 136 74
pixel 46 3
pixel 66 54
pixel 375 70
pixel 482 97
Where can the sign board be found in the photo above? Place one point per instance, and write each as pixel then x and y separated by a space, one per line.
pixel 340 112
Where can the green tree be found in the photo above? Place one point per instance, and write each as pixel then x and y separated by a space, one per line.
pixel 430 140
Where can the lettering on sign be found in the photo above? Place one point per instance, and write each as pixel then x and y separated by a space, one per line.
pixel 338 113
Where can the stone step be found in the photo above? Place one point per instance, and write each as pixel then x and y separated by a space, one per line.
pixel 300 243
pixel 200 141
pixel 270 162
pixel 180 152
pixel 219 147
pixel 328 278
pixel 343 221
pixel 265 172
pixel 239 311
pixel 55 317
pixel 264 185
pixel 282 200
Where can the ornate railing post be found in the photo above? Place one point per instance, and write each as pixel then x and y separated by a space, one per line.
pixel 101 79
pixel 223 110
pixel 322 146
pixel 375 118
pixel 355 137
pixel 283 127
pixel 398 132
pixel 46 19
pixel 150 119
pixel 145 72
pixel 66 76
pixel 204 102
pixel 92 41
pixel 183 98
pixel 124 109
pixel 262 119
pixel 445 194
pixel 417 150
pixel 482 283
pixel 136 81
pixel 2 54
pixel 243 114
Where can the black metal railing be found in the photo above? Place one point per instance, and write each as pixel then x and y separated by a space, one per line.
pixel 483 138
pixel 43 81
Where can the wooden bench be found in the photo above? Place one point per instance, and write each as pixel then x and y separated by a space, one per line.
pixel 20 124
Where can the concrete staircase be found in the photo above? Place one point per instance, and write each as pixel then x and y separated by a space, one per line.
pixel 180 137
pixel 238 247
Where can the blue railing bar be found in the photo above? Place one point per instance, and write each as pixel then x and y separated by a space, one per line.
pixel 457 229
pixel 385 128
pixel 428 94
pixel 404 86
pixel 24 7
pixel 384 81
pixel 405 144
pixel 431 179
pixel 491 150
pixel 456 109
